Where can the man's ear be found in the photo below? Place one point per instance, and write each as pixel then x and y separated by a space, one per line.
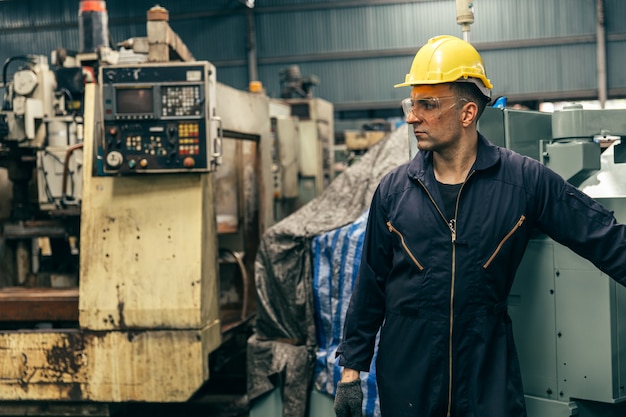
pixel 469 113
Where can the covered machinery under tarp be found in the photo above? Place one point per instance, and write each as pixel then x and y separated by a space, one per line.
pixel 282 352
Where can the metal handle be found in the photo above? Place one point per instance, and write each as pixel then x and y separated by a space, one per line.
pixel 217 141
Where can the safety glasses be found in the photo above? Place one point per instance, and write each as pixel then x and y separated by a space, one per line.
pixel 429 107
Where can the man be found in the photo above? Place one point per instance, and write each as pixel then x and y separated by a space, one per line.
pixel 445 235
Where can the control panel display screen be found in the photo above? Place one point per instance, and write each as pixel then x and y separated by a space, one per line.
pixel 134 100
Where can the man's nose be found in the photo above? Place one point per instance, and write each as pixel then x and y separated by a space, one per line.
pixel 412 118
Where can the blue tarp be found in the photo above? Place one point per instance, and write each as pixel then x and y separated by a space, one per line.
pixel 336 256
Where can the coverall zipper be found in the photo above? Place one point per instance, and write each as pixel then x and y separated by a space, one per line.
pixel 503 241
pixel 406 248
pixel 453 228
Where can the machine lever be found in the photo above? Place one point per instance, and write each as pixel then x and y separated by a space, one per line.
pixel 217 141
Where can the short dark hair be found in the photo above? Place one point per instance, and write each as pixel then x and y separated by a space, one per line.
pixel 472 93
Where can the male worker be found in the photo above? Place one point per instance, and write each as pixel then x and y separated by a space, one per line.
pixel 445 235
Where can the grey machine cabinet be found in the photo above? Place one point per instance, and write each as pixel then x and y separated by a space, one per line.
pixel 569 318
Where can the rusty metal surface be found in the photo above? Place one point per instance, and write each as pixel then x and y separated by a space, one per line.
pixel 38 304
pixel 29 361
pixel 146 253
pixel 34 229
pixel 79 365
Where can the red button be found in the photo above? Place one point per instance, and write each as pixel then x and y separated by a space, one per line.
pixel 189 162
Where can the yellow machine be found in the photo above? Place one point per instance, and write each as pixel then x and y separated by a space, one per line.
pixel 175 192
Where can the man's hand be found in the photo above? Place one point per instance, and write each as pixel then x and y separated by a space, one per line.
pixel 349 399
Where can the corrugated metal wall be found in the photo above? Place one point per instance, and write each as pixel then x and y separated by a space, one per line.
pixel 533 49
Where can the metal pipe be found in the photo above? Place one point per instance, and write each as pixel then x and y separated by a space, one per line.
pixel 601 52
pixel 465 16
pixel 252 62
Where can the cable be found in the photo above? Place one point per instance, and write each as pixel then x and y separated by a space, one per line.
pixel 244 277
pixel 66 167
pixel 70 97
pixel 28 58
pixel 44 174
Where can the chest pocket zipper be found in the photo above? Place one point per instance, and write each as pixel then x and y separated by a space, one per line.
pixel 503 241
pixel 406 248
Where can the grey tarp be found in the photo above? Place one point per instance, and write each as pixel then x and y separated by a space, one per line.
pixel 282 351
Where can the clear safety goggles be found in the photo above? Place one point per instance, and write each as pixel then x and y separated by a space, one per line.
pixel 429 107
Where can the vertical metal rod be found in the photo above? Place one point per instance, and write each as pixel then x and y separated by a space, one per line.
pixel 252 58
pixel 22 260
pixel 601 52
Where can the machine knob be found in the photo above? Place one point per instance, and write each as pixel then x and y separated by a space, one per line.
pixel 143 163
pixel 114 159
pixel 172 134
pixel 189 162
pixel 114 136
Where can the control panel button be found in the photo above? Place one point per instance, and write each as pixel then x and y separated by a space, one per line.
pixel 143 163
pixel 114 159
pixel 189 162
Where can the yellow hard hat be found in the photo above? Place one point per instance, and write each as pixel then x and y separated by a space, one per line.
pixel 446 59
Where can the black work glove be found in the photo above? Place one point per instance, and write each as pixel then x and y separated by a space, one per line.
pixel 349 399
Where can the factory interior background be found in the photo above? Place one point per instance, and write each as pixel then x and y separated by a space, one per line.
pixel 183 185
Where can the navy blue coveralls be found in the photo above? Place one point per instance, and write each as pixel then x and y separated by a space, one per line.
pixel 439 288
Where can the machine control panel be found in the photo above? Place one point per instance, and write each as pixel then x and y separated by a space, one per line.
pixel 158 118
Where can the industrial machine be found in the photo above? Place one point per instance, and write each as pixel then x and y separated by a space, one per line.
pixel 139 196
pixel 357 141
pixel 41 148
pixel 304 124
pixel 315 152
pixel 567 315
pixel 303 153
pixel 285 163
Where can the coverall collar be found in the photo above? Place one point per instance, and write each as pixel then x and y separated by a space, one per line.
pixel 487 155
